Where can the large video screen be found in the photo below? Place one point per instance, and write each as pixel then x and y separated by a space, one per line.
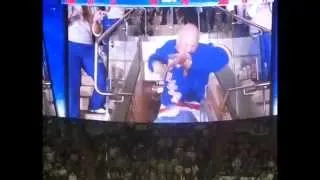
pixel 165 64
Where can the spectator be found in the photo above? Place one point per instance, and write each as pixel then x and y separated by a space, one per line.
pixel 184 63
pixel 81 55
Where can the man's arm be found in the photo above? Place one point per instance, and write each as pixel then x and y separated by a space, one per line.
pixel 73 15
pixel 221 59
pixel 97 28
pixel 216 59
pixel 157 62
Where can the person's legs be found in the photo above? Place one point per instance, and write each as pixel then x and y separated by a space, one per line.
pixel 209 18
pixel 204 24
pixel 224 16
pixel 164 15
pixel 97 100
pixel 213 18
pixel 105 41
pixel 151 16
pixel 74 79
pixel 106 25
pixel 190 15
pixel 175 19
pixel 265 46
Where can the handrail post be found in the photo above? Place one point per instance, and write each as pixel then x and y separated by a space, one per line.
pixel 95 71
pixel 96 48
pixel 171 26
pixel 145 22
pixel 198 15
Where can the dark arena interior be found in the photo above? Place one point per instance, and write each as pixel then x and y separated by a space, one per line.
pixel 234 135
pixel 223 150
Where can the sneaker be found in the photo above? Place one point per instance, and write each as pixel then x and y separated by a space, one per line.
pixel 99 111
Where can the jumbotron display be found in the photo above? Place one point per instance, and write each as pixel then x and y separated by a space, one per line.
pixel 157 61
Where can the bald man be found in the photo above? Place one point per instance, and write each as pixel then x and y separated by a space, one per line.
pixel 185 65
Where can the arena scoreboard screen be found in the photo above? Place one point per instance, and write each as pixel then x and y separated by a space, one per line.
pixel 159 61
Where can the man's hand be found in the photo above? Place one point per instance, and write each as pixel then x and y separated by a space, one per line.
pixel 96 26
pixel 159 68
pixel 98 16
pixel 185 61
pixel 182 59
pixel 172 63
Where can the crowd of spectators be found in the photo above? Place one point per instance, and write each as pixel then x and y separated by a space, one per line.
pixel 177 153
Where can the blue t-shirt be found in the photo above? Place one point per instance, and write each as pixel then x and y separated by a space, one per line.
pixel 205 59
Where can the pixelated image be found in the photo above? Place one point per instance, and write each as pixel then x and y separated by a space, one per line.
pixel 165 64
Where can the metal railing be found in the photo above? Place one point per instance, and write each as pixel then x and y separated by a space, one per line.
pixel 246 21
pixel 96 48
pixel 223 107
pixel 198 16
pixel 244 88
pixel 123 109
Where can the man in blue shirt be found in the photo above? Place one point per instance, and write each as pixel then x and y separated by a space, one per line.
pixel 185 65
